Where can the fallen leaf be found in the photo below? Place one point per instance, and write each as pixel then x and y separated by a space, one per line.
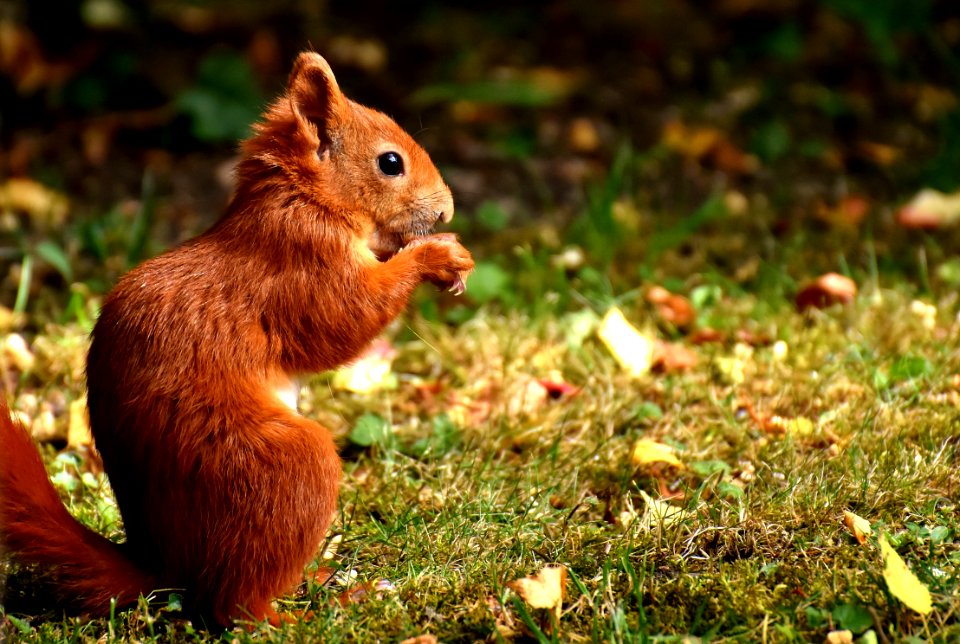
pixel 78 427
pixel 671 356
pixel 525 396
pixel 849 212
pixel 559 388
pixel 646 451
pixel 839 637
pixel 362 592
pixel 41 203
pixel 926 312
pixel 707 336
pixel 355 594
pixel 466 411
pixel 17 352
pixel 932 102
pixel 546 589
pixel 583 135
pixel 825 291
pixel 751 338
pixel 370 372
pixel 569 259
pixel 735 202
pixel 858 526
pixel 707 144
pixel 880 154
pixel 426 638
pixel 333 545
pixel 732 160
pixel 22 59
pixel 694 142
pixel 322 575
pixel 731 369
pixel 632 349
pixel 659 513
pixel 673 309
pixel 930 209
pixel 798 426
pixel 780 350
pixel 901 582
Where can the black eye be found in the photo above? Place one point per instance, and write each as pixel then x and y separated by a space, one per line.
pixel 391 164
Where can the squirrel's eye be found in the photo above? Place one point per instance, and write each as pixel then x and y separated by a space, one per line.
pixel 391 164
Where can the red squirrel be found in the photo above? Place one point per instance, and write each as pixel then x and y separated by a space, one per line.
pixel 225 491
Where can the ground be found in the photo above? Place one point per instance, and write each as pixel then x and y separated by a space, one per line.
pixel 730 154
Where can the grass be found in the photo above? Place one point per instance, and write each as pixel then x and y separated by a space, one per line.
pixel 464 477
pixel 761 553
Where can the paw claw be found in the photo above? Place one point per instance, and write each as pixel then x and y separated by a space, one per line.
pixel 459 284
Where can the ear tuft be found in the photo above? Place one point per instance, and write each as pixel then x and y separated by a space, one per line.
pixel 314 94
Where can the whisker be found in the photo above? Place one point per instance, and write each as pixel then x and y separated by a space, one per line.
pixel 422 339
pixel 421 130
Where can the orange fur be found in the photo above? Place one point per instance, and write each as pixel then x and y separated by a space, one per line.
pixel 225 491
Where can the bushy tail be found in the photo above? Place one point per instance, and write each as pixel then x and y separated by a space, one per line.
pixel 35 528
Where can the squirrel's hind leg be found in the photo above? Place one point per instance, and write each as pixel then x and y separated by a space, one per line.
pixel 278 488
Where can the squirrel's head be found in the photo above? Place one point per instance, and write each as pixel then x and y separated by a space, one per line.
pixel 349 160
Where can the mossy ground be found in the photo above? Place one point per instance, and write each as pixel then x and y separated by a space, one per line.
pixel 475 486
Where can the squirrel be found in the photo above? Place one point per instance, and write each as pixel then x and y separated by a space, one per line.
pixel 225 491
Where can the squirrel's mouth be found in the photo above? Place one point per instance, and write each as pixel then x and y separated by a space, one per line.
pixel 384 244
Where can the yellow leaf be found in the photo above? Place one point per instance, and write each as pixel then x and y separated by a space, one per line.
pixel 659 513
pixel 691 141
pixel 646 451
pixel 35 199
pixel 799 426
pixel 15 350
pixel 732 370
pixel 632 349
pixel 543 590
pixel 78 429
pixel 858 526
pixel 901 582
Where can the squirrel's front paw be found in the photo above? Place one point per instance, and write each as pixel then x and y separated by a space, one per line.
pixel 443 261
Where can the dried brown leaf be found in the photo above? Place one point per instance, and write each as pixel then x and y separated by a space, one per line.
pixel 825 291
pixel 669 357
pixel 673 309
pixel 930 209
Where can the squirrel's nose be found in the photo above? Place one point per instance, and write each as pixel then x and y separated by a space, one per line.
pixel 445 207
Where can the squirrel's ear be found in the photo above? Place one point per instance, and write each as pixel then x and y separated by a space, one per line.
pixel 314 94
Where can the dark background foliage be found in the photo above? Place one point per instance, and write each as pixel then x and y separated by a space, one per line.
pixel 543 115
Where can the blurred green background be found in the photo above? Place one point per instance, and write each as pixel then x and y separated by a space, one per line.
pixel 588 144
